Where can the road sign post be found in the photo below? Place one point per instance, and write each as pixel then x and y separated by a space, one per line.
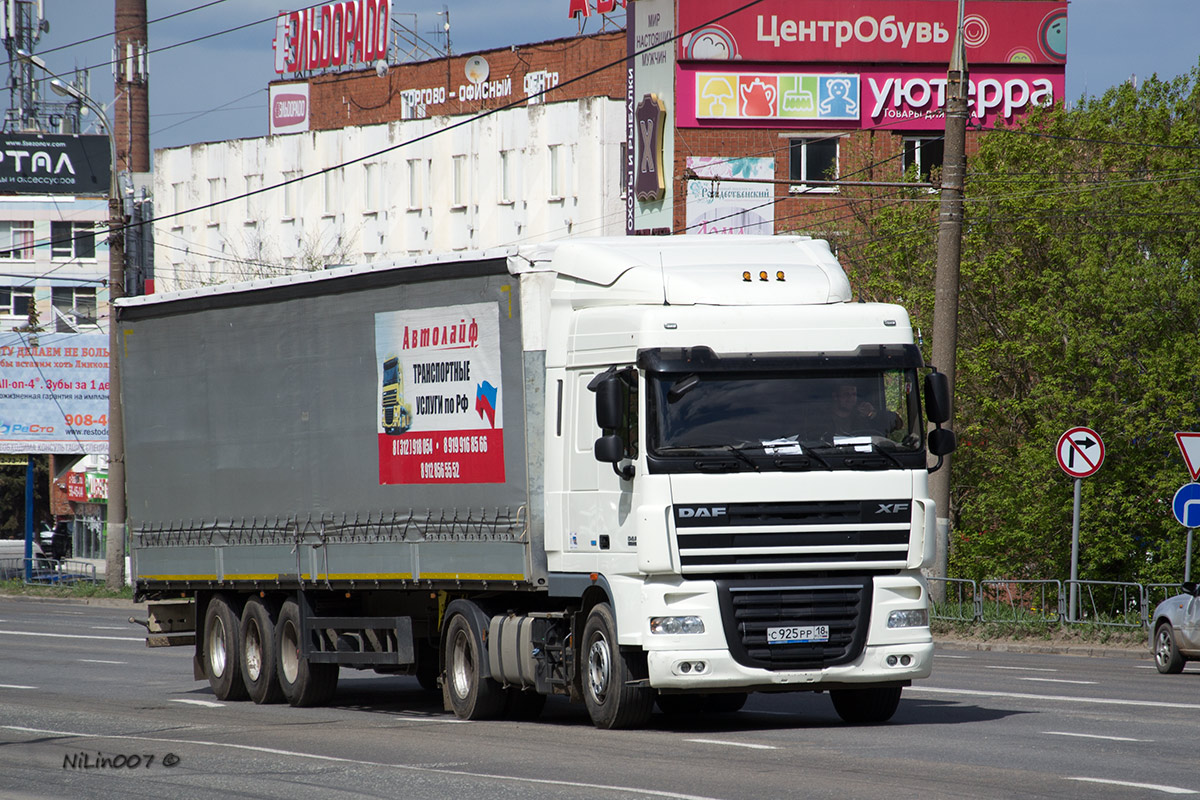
pixel 1080 452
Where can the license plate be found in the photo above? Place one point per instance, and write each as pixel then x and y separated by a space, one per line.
pixel 798 634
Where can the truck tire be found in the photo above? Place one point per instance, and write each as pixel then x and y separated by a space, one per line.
pixel 259 663
pixel 303 683
pixel 221 650
pixel 612 697
pixel 471 695
pixel 866 706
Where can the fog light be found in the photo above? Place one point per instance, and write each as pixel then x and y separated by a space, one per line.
pixel 685 668
pixel 700 666
pixel 912 618
pixel 906 660
pixel 676 625
pixel 891 661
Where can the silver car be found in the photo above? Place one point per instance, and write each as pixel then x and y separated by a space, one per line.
pixel 1175 630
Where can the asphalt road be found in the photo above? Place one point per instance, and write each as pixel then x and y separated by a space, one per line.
pixel 87 711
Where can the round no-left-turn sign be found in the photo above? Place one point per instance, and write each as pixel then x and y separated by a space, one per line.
pixel 1080 452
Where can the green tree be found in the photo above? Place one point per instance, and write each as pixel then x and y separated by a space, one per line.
pixel 1079 305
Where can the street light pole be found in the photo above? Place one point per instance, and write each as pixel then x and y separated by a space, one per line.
pixel 115 549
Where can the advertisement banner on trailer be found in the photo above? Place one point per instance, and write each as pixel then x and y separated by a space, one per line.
pixel 440 416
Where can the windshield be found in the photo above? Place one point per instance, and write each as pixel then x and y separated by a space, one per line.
pixel 780 414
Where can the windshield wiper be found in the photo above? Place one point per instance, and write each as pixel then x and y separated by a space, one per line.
pixel 698 449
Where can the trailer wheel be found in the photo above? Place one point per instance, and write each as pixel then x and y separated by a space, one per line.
pixel 866 706
pixel 615 689
pixel 221 649
pixel 472 696
pixel 259 670
pixel 303 682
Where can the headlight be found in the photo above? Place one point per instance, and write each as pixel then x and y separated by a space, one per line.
pixel 914 618
pixel 672 625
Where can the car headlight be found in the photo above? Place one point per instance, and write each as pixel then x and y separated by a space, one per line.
pixel 912 618
pixel 672 625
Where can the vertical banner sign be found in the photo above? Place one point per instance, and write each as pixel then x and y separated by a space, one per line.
pixel 440 416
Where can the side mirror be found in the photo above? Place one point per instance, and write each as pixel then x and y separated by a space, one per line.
pixel 937 398
pixel 608 403
pixel 609 449
pixel 942 442
pixel 1190 588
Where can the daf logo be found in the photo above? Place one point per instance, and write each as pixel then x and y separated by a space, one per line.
pixel 702 511
pixel 892 508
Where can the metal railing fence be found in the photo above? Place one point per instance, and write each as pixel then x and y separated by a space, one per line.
pixel 1111 603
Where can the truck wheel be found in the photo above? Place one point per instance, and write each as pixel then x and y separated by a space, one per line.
pixel 866 706
pixel 472 696
pixel 303 682
pixel 259 671
pixel 221 649
pixel 608 674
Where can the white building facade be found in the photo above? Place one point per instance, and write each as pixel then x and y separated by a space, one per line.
pixel 249 208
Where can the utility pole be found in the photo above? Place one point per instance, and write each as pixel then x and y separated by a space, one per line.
pixel 945 284
pixel 131 153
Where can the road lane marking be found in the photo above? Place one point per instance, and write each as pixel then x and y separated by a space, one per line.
pixel 1094 736
pixel 100 661
pixel 15 686
pixel 725 743
pixel 110 627
pixel 140 639
pixel 943 655
pixel 632 790
pixel 1058 697
pixel 1058 680
pixel 205 703
pixel 1023 669
pixel 1157 787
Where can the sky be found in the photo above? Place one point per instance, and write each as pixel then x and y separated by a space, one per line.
pixel 216 88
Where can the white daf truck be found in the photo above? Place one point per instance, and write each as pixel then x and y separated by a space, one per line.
pixel 632 471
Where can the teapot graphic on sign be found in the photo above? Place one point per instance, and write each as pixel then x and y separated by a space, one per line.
pixel 757 99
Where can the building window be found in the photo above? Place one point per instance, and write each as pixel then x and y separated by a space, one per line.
pixel 458 181
pixel 254 185
pixel 15 301
pixel 73 240
pixel 179 195
pixel 16 240
pixel 505 178
pixel 556 187
pixel 291 195
pixel 332 184
pixel 813 159
pixel 414 183
pixel 923 153
pixel 371 187
pixel 73 307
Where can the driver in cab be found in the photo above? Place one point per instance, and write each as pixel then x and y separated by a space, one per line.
pixel 851 416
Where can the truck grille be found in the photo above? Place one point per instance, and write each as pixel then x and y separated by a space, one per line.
pixel 748 608
pixel 779 537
